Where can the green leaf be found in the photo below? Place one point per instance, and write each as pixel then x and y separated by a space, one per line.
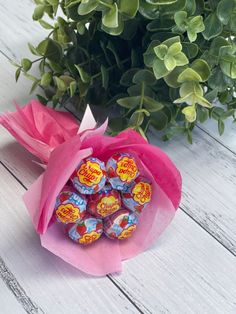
pixel 170 41
pixel 212 95
pixel 87 6
pixel 202 68
pixel 127 77
pixel 129 8
pixel 221 126
pixel 213 26
pixel 33 50
pixel 224 10
pixel 189 136
pixel 136 119
pixel 38 12
pixel 190 50
pixel 216 45
pixel 232 23
pixel 188 88
pixel 46 79
pixel 85 77
pixel 53 2
pixel 229 68
pixel 161 2
pixel 17 74
pixel 195 25
pixel 105 76
pixel 129 102
pixel 170 62
pixel 151 104
pixel 161 51
pixel 189 75
pixel 159 69
pixel 218 80
pixel 73 87
pixel 116 30
pixel 159 120
pixel 181 59
pixel 67 79
pixel 172 78
pixel 81 28
pixel 190 113
pixel 202 114
pixel 50 49
pixel 34 86
pixel 60 84
pixel 180 18
pixel 45 24
pixel 148 10
pixel 144 76
pixel 175 49
pixel 110 18
pixel 26 64
pixel 190 6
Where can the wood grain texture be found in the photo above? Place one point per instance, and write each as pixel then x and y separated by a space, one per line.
pixel 209 184
pixel 228 139
pixel 17 28
pixel 54 285
pixel 8 301
pixel 9 90
pixel 13 285
pixel 187 271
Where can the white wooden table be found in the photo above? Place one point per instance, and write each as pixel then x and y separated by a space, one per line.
pixel 192 267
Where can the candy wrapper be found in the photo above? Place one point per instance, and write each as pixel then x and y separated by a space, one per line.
pixel 148 185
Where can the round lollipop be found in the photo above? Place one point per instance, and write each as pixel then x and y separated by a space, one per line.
pixel 86 231
pixel 138 195
pixel 104 203
pixel 120 225
pixel 70 206
pixel 121 171
pixel 89 176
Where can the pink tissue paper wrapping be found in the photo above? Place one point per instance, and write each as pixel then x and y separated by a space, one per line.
pixel 61 143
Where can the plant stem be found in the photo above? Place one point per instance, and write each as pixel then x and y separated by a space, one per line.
pixel 110 68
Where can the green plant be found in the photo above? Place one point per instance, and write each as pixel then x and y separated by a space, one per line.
pixel 161 63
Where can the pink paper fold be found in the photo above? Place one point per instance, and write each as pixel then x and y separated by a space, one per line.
pixel 64 153
pixel 40 129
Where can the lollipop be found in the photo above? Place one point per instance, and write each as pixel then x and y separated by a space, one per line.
pixel 120 225
pixel 86 231
pixel 70 206
pixel 138 195
pixel 121 171
pixel 105 202
pixel 89 176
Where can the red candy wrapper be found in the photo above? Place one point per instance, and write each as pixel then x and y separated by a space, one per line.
pixel 62 144
pixel 105 202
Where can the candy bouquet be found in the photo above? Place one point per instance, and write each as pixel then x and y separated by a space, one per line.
pixel 101 199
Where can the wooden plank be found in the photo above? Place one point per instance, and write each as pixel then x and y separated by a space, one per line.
pixel 187 271
pixel 186 264
pixel 54 285
pixel 10 90
pixel 209 184
pixel 228 139
pixel 8 302
pixel 17 28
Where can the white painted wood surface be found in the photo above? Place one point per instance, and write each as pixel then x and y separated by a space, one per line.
pixel 188 271
pixel 8 300
pixel 209 184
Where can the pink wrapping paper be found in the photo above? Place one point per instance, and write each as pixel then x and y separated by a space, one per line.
pixel 58 141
